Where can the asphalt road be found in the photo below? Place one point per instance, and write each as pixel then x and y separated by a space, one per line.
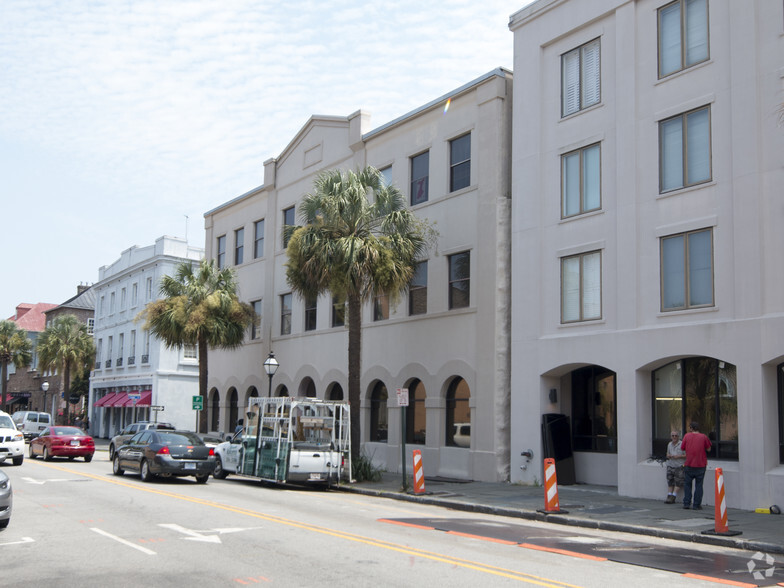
pixel 76 524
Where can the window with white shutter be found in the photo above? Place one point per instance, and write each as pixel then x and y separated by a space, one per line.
pixel 581 78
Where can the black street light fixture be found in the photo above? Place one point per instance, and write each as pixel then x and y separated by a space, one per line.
pixel 270 366
pixel 45 388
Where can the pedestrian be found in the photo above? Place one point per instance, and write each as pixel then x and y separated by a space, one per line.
pixel 675 458
pixel 696 445
pixel 239 427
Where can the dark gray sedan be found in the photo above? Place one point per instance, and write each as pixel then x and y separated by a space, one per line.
pixel 165 453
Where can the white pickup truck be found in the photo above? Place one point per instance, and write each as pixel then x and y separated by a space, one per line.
pixel 302 441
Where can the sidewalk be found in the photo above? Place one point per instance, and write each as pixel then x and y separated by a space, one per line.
pixel 595 507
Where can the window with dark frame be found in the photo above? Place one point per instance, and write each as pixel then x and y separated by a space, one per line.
pixel 687 270
pixel 416 416
pixel 258 239
pixel 338 312
pixel 420 176
pixel 460 280
pixel 685 150
pixel 285 314
pixel 594 406
pixel 460 163
pixel 458 414
pixel 311 304
pixel 221 248
pixel 581 181
pixel 288 221
pixel 255 329
pixel 380 307
pixel 683 35
pixel 239 246
pixel 379 420
pixel 417 291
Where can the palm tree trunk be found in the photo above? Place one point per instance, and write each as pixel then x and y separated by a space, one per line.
pixel 354 370
pixel 66 391
pixel 202 421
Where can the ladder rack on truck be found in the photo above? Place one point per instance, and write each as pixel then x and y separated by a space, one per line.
pixel 291 440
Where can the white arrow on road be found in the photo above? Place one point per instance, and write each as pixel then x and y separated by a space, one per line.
pixel 192 535
pixel 23 540
pixel 34 481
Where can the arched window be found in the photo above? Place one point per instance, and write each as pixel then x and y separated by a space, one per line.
pixel 283 391
pixel 458 414
pixel 214 411
pixel 233 409
pixel 416 423
pixel 700 389
pixel 378 413
pixel 309 388
pixel 336 392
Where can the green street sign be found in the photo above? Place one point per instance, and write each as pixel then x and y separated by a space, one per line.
pixel 198 403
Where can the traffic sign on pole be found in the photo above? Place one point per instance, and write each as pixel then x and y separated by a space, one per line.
pixel 198 403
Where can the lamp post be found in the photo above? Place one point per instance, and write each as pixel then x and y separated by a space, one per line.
pixel 45 388
pixel 270 366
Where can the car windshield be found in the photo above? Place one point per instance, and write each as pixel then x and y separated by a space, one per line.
pixel 180 439
pixel 66 431
pixel 6 422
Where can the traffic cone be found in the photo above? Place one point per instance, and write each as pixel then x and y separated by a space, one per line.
pixel 721 526
pixel 419 475
pixel 551 504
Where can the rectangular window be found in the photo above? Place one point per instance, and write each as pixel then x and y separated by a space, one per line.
pixel 98 353
pixel 417 291
pixel 581 181
pixel 111 303
pixel 381 307
pixel 460 163
pixel 687 270
pixel 101 306
pixel 459 280
pixel 133 344
pixel 683 35
pixel 189 351
pixel 221 249
pixel 123 298
pixel 134 295
pixel 285 314
pixel 109 351
pixel 685 150
pixel 580 78
pixel 258 239
pixel 255 328
pixel 149 289
pixel 90 326
pixel 420 173
pixel 146 347
pixel 288 221
pixel 121 346
pixel 239 246
pixel 338 312
pixel 310 313
pixel 386 175
pixel 581 287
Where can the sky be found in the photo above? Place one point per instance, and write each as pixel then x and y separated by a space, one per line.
pixel 125 120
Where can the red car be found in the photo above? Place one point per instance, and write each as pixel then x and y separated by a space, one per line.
pixel 62 441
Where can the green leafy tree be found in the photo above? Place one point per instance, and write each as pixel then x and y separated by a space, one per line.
pixel 67 347
pixel 15 347
pixel 199 307
pixel 358 240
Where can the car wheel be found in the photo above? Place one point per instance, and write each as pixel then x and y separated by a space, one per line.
pixel 71 458
pixel 88 458
pixel 19 460
pixel 144 471
pixel 219 473
pixel 111 451
pixel 4 524
pixel 47 457
pixel 118 471
pixel 30 453
pixel 202 479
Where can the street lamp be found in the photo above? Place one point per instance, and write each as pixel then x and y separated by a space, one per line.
pixel 45 388
pixel 270 366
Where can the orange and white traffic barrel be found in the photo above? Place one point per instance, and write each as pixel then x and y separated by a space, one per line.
pixel 551 504
pixel 721 524
pixel 419 474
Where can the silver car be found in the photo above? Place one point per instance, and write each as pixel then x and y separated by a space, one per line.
pixel 6 500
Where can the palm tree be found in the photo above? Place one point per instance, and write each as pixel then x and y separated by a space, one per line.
pixel 67 347
pixel 358 240
pixel 15 347
pixel 200 308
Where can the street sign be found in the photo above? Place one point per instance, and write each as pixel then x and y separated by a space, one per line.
pixel 402 396
pixel 155 408
pixel 198 403
pixel 135 397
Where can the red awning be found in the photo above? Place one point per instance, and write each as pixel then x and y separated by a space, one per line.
pixel 146 399
pixel 125 400
pixel 119 400
pixel 106 400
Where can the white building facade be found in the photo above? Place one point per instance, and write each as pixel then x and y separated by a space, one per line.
pixel 446 341
pixel 648 165
pixel 136 374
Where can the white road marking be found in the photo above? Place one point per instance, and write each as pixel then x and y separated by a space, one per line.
pixel 192 535
pixel 123 541
pixel 34 481
pixel 23 540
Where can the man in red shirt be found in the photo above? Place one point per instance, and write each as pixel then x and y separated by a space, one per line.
pixel 696 445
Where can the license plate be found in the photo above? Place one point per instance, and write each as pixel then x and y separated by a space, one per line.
pixel 190 466
pixel 75 442
pixel 315 476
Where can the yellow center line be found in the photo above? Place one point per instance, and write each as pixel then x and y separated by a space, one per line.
pixel 413 551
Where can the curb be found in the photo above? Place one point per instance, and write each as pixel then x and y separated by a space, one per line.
pixel 572 521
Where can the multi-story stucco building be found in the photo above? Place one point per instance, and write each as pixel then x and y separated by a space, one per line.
pixel 447 341
pixel 129 359
pixel 648 164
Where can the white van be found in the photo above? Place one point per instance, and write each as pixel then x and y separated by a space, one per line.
pixel 31 423
pixel 12 443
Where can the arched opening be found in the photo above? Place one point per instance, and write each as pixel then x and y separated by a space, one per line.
pixel 214 411
pixel 594 410
pixel 458 414
pixel 379 421
pixel 416 421
pixel 335 392
pixel 233 409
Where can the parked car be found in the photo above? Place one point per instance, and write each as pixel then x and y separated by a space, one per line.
pixel 462 434
pixel 11 440
pixel 6 500
pixel 212 439
pixel 129 431
pixel 31 423
pixel 165 453
pixel 62 441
